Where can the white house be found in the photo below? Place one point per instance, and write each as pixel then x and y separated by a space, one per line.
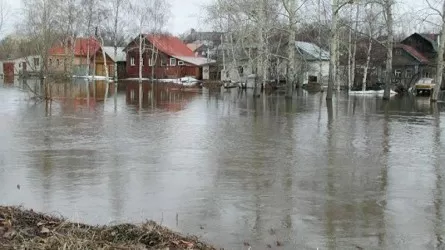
pixel 31 64
pixel 314 60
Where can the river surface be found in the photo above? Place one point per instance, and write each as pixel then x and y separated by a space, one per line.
pixel 358 173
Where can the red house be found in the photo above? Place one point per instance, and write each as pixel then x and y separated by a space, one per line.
pixel 172 59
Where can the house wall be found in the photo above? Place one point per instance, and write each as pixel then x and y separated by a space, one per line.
pixel 237 72
pixel 402 58
pixel 313 69
pixel 31 65
pixel 162 67
pixel 60 64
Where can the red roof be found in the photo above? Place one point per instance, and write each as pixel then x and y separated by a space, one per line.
pixel 170 45
pixel 414 53
pixel 80 47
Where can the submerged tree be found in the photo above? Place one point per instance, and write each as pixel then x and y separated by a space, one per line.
pixel 337 5
pixel 388 13
pixel 441 51
pixel 40 23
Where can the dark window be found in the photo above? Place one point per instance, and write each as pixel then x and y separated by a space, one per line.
pixel 36 62
pixel 241 70
pixel 409 73
pixel 397 73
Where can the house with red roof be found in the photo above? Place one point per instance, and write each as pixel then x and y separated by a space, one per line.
pixel 84 50
pixel 167 57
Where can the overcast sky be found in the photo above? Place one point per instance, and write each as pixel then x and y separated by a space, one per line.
pixel 187 14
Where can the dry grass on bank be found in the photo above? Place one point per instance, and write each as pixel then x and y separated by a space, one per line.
pixel 26 229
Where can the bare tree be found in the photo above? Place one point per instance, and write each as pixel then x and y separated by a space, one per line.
pixel 151 17
pixel 68 15
pixel 290 7
pixel 387 10
pixel 334 40
pixel 441 51
pixel 40 24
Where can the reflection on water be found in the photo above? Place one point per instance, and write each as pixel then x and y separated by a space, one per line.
pixel 356 172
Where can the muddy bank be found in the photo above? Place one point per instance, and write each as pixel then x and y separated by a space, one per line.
pixel 26 229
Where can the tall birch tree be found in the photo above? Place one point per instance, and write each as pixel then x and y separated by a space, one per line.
pixel 333 44
pixel 389 19
pixel 441 51
pixel 290 7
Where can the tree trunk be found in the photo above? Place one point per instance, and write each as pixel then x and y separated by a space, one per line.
pixel 140 69
pixel 389 48
pixel 333 50
pixel 260 57
pixel 440 64
pixel 107 81
pixel 337 64
pixel 116 23
pixel 350 60
pixel 320 62
pixel 368 60
pixel 291 49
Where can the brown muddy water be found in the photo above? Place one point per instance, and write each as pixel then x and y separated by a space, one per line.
pixel 236 171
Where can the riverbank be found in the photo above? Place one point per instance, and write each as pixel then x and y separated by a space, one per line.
pixel 26 229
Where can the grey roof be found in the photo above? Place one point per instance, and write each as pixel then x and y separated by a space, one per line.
pixel 203 36
pixel 121 55
pixel 311 52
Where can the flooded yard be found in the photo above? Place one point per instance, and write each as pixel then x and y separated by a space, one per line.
pixel 237 171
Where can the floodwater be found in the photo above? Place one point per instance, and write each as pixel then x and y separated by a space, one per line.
pixel 357 173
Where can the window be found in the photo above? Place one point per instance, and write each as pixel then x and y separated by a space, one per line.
pixel 132 61
pixel 36 62
pixel 426 74
pixel 409 73
pixel 172 61
pixel 241 70
pixel 398 52
pixel 58 62
pixel 397 73
pixel 180 63
pixel 150 62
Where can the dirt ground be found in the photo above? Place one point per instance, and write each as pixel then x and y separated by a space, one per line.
pixel 26 229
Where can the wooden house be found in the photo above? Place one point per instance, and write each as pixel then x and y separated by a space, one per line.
pixel 84 50
pixel 172 58
pixel 415 58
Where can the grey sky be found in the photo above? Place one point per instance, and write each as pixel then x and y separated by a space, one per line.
pixel 187 14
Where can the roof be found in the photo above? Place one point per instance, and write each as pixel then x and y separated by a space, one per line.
pixel 121 55
pixel 414 53
pixel 198 61
pixel 203 36
pixel 194 46
pixel 80 47
pixel 170 45
pixel 429 37
pixel 311 51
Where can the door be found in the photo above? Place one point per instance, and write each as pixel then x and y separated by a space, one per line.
pixel 100 70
